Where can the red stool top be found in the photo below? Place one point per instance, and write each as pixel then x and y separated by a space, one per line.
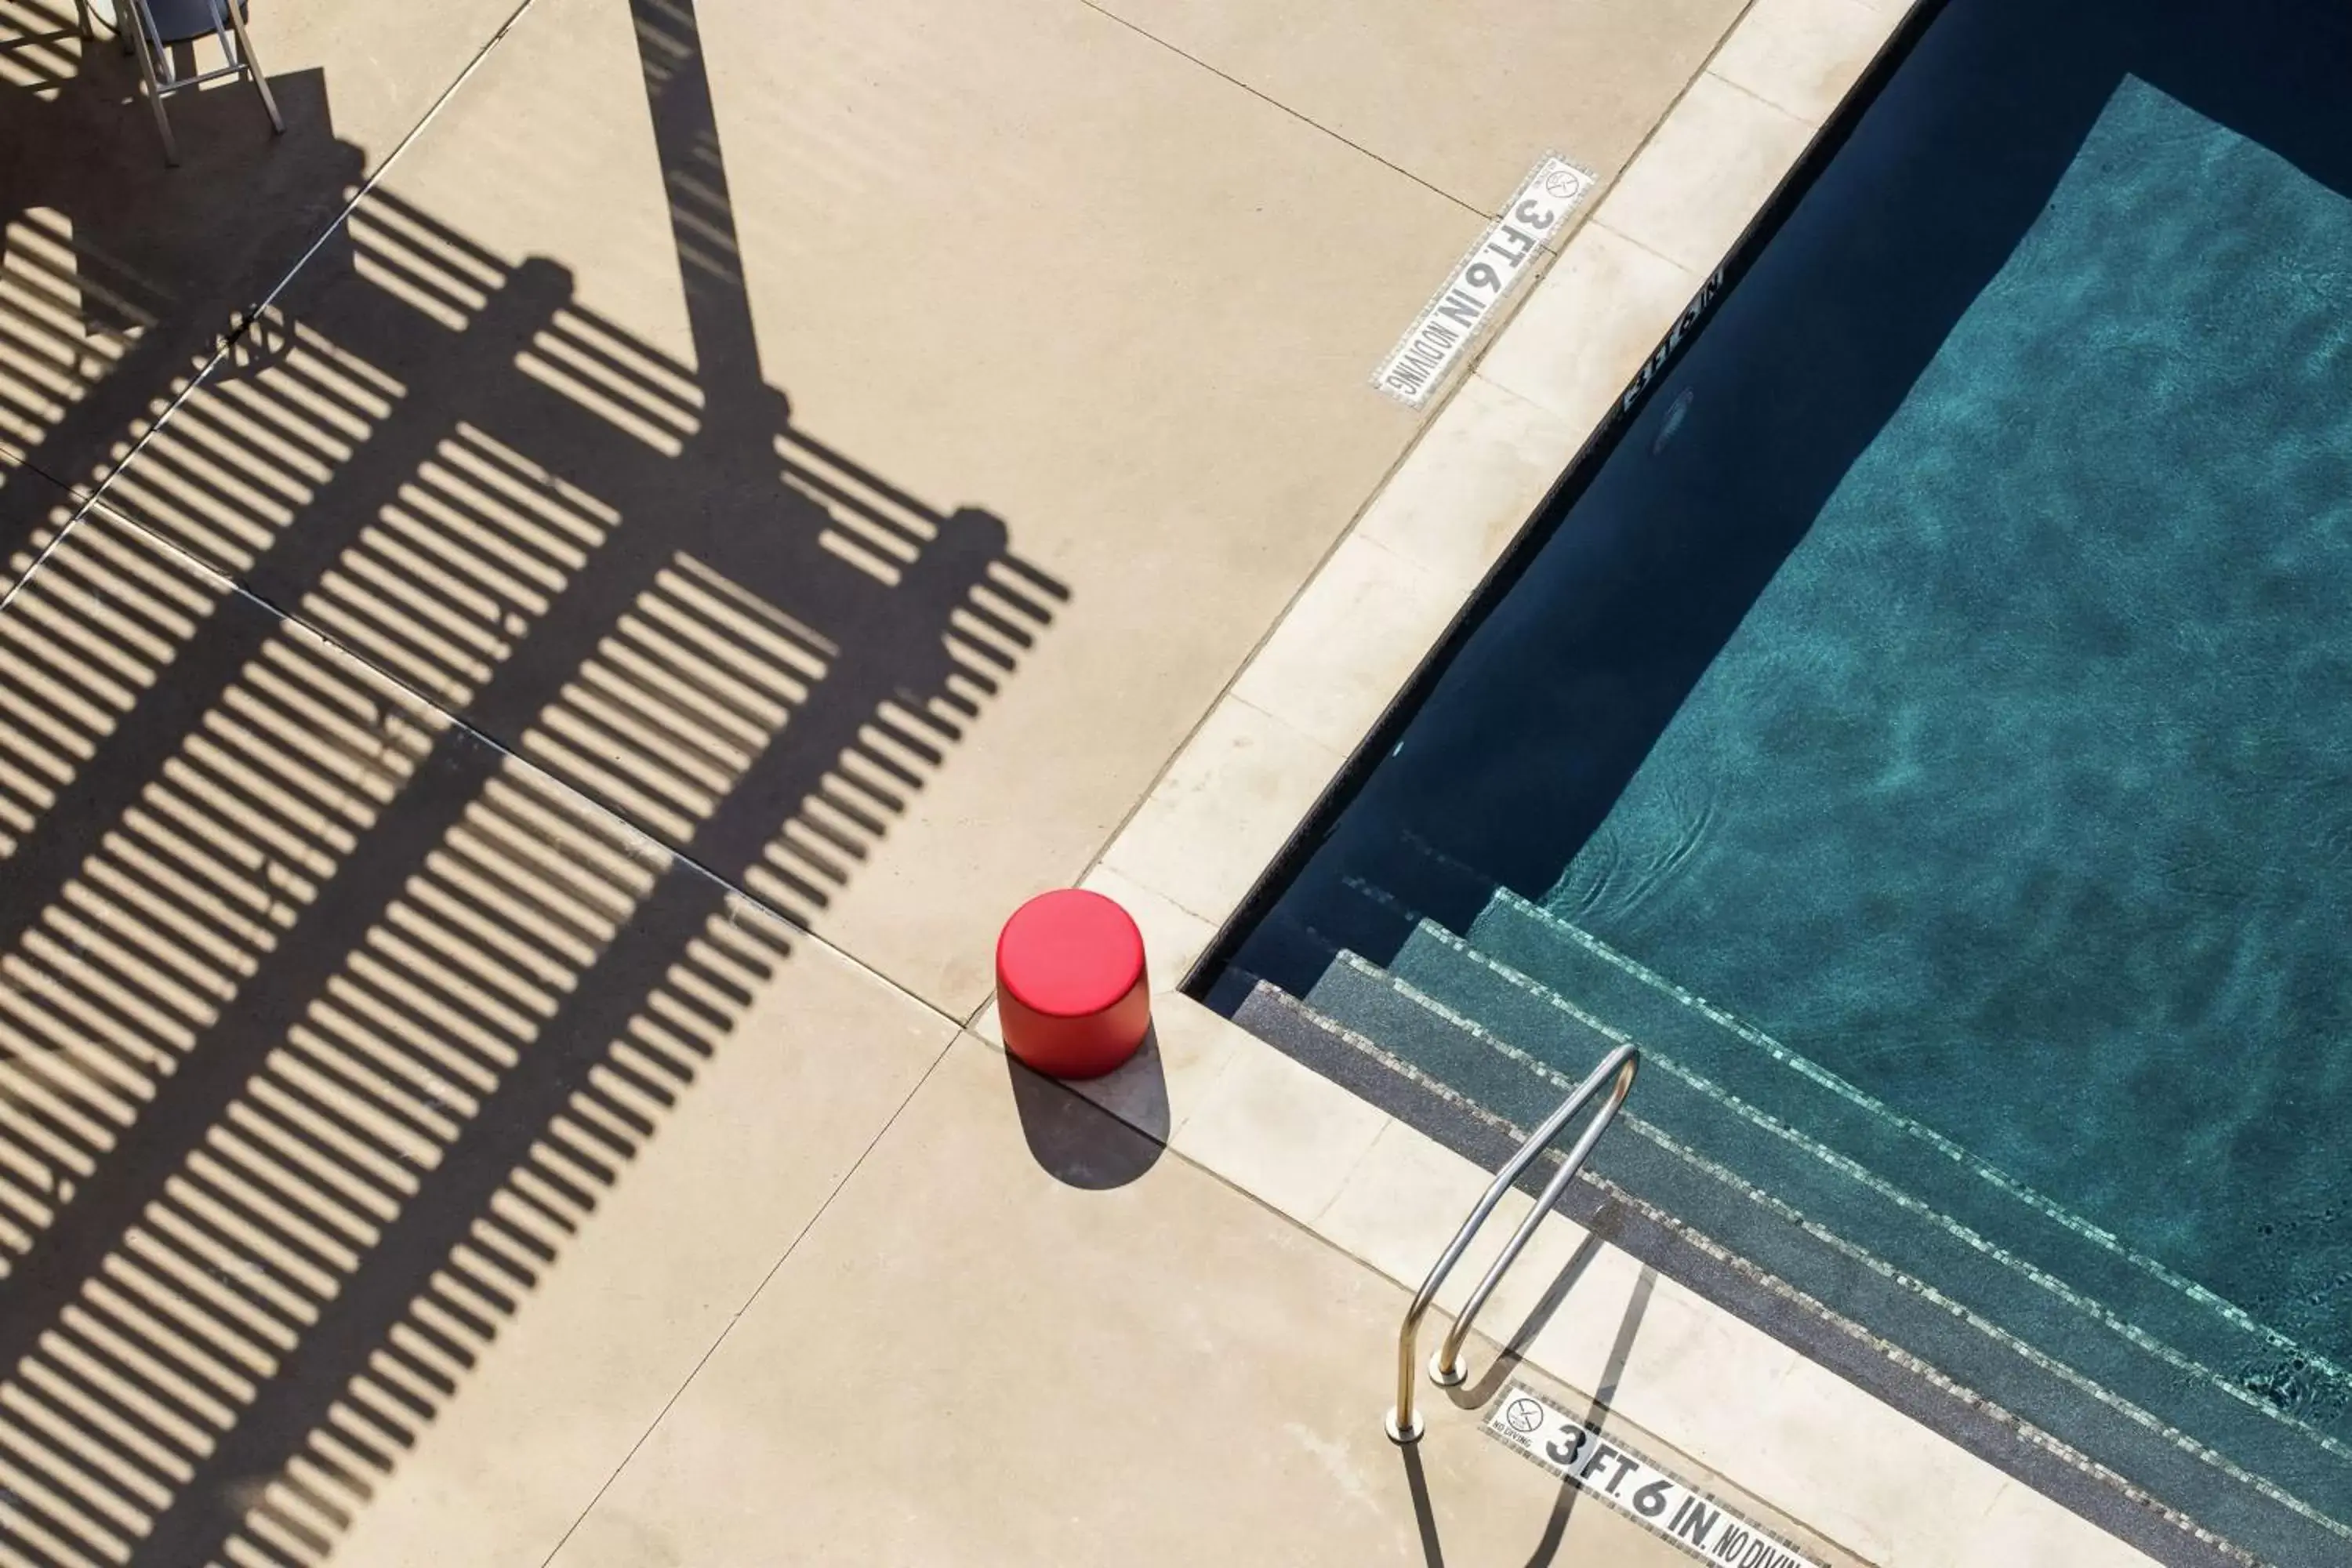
pixel 1069 954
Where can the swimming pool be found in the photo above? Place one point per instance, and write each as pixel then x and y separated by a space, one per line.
pixel 1926 725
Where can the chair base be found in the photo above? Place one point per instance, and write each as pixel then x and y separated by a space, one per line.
pixel 135 22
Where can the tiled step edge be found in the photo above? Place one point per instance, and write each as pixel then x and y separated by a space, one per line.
pixel 1857 1393
pixel 1557 957
pixel 1795 1219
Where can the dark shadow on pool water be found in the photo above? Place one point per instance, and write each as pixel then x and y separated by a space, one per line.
pixel 1528 742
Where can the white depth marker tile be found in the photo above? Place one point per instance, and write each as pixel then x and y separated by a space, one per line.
pixel 1632 1485
pixel 1416 367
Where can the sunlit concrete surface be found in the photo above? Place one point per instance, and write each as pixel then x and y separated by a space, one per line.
pixel 971 1360
pixel 521 710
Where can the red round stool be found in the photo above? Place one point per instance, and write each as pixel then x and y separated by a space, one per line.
pixel 1071 995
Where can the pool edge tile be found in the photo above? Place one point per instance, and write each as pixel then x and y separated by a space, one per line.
pixel 1161 1088
pixel 1404 1202
pixel 1222 809
pixel 1347 645
pixel 1468 485
pixel 1173 936
pixel 1278 1130
pixel 1805 56
pixel 1709 170
pixel 1590 325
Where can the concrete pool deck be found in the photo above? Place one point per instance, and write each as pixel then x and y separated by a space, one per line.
pixel 509 786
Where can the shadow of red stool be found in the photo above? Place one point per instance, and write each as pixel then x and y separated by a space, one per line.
pixel 1072 997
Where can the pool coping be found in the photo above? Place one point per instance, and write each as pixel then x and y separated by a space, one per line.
pixel 1531 404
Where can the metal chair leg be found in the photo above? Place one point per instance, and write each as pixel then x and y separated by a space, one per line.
pixel 252 67
pixel 134 13
pixel 82 18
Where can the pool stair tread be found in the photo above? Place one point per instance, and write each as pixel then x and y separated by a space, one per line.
pixel 1292 945
pixel 1785 1094
pixel 1820 1185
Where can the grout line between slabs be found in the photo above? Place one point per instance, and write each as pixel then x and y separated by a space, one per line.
pixel 752 1300
pixel 1269 98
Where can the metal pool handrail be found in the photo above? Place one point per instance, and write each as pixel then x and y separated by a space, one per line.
pixel 1404 1423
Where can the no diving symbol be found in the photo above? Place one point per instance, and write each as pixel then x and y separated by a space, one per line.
pixel 1562 183
pixel 1524 1416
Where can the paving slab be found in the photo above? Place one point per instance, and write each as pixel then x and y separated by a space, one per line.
pixel 820 1058
pixel 43 505
pixel 346 1057
pixel 969 1361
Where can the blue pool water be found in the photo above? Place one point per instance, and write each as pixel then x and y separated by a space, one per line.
pixel 1930 736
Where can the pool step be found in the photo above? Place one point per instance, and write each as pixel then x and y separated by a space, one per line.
pixel 1394 1044
pixel 1457 1052
pixel 1775 1149
pixel 1869 1215
pixel 1321 914
pixel 1582 977
pixel 1782 1083
pixel 1392 1033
